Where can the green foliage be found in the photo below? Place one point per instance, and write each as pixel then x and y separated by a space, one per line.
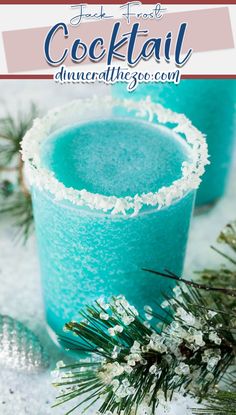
pixel 12 130
pixel 18 206
pixel 225 276
pixel 132 359
pixel 15 200
pixel 228 236
pixel 221 403
pixel 192 351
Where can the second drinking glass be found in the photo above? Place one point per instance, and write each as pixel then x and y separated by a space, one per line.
pixel 210 105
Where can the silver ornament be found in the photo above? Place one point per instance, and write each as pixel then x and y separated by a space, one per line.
pixel 20 347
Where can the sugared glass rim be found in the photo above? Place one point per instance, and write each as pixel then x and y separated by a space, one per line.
pixel 43 178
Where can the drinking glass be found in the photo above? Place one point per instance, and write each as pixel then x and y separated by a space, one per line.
pixel 210 105
pixel 94 244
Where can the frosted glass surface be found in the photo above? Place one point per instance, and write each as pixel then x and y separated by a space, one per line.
pixel 85 253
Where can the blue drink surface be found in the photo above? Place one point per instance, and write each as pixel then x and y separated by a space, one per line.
pixel 117 157
pixel 84 253
pixel 210 105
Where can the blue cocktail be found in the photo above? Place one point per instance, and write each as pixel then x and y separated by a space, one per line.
pixel 210 105
pixel 110 196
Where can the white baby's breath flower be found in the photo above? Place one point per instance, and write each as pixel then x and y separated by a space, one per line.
pixel 209 377
pixel 211 314
pixel 182 369
pixel 136 347
pixel 102 303
pixel 212 358
pixel 111 331
pixel 60 364
pixel 157 344
pixel 148 312
pixel 128 369
pixel 115 383
pixel 153 370
pixel 56 374
pixel 187 317
pixel 133 310
pixel 148 317
pixel 115 352
pixel 104 316
pixel 136 356
pixel 213 336
pixel 212 363
pixel 177 291
pixel 114 330
pixel 198 338
pixel 127 320
pixel 125 389
pixel 110 371
pixel 118 329
pixel 131 362
pixel 148 309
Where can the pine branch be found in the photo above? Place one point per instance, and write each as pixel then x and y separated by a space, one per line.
pixel 222 403
pixel 136 361
pixel 170 275
pixel 15 200
pixel 224 276
pixel 223 254
pixel 18 206
pixel 12 130
pixel 133 360
pixel 228 235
